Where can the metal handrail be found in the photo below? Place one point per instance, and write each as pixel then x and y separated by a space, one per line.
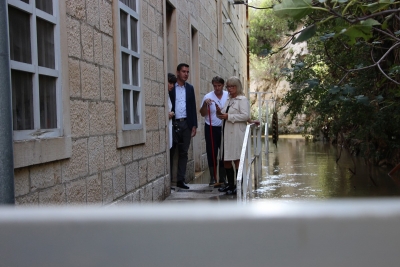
pixel 250 159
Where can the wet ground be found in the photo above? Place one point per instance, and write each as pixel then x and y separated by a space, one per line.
pixel 297 169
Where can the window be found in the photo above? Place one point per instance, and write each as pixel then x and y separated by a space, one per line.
pixel 40 94
pixel 35 68
pixel 130 67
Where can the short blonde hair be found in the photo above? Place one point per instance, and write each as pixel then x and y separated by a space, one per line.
pixel 235 82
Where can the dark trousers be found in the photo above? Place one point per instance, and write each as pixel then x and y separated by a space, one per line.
pixel 216 135
pixel 183 147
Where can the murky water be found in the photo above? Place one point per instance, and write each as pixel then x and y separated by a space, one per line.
pixel 298 169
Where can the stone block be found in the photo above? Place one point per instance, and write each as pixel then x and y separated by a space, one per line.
pixel 142 172
pixel 160 74
pixel 126 155
pixel 151 18
pixel 161 164
pixel 94 189
pixel 148 93
pixel 119 182
pixel 151 169
pixel 153 68
pixel 92 11
pixel 167 186
pixel 108 51
pixel 102 118
pixel 156 142
pixel 161 118
pixel 155 90
pixel 77 165
pixel 137 152
pixel 21 181
pixel 151 118
pixel 90 81
pixel 79 112
pixel 106 23
pixel 164 140
pixel 132 176
pixel 154 45
pixel 148 147
pixel 31 199
pixel 145 12
pixel 53 196
pixel 76 192
pixel 96 154
pixel 74 71
pixel 97 47
pixel 146 193
pixel 87 42
pixel 76 8
pixel 107 85
pixel 74 37
pixel 136 196
pixel 45 175
pixel 158 190
pixel 107 182
pixel 111 154
pixel 146 40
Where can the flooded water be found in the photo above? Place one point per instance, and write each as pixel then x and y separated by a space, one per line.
pixel 298 169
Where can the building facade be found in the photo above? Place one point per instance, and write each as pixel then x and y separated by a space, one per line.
pixel 89 92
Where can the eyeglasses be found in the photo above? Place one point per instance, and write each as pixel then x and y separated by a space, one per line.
pixel 230 86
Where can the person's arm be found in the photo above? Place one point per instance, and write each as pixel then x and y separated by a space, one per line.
pixel 204 107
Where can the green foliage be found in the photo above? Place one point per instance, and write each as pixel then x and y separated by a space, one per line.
pixel 349 83
pixel 265 28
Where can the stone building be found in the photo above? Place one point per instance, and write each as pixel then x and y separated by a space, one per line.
pixel 89 92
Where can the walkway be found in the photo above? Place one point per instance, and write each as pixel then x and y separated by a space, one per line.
pixel 199 191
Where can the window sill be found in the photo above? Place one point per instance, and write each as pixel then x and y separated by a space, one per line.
pixel 131 137
pixel 38 151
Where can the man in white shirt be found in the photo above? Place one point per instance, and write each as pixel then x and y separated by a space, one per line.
pixel 213 128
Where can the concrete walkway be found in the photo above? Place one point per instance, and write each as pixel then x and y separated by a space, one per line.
pixel 198 191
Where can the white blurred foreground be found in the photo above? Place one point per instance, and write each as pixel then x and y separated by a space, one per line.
pixel 271 233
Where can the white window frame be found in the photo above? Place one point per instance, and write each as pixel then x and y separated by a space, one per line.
pixel 36 70
pixel 131 53
pixel 47 147
pixel 129 134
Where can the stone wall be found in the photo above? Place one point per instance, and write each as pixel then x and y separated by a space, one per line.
pixel 98 172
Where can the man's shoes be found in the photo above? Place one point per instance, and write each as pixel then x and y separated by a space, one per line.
pixel 226 188
pixel 231 192
pixel 218 185
pixel 212 182
pixel 181 184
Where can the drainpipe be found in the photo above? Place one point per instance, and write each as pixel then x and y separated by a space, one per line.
pixel 6 130
pixel 248 49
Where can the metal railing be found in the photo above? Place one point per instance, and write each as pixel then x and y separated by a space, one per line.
pixel 250 161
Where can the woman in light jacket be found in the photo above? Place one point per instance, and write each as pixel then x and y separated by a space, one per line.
pixel 171 83
pixel 235 113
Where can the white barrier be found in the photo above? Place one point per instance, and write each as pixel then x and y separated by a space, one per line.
pixel 356 233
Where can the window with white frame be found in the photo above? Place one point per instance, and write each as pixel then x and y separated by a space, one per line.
pixel 35 68
pixel 131 92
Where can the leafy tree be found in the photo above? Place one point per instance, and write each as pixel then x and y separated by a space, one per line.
pixel 265 28
pixel 349 83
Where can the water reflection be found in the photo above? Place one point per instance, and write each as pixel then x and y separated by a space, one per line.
pixel 303 170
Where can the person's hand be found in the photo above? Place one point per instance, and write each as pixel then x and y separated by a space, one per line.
pixel 223 116
pixel 218 110
pixel 171 114
pixel 193 131
pixel 208 101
